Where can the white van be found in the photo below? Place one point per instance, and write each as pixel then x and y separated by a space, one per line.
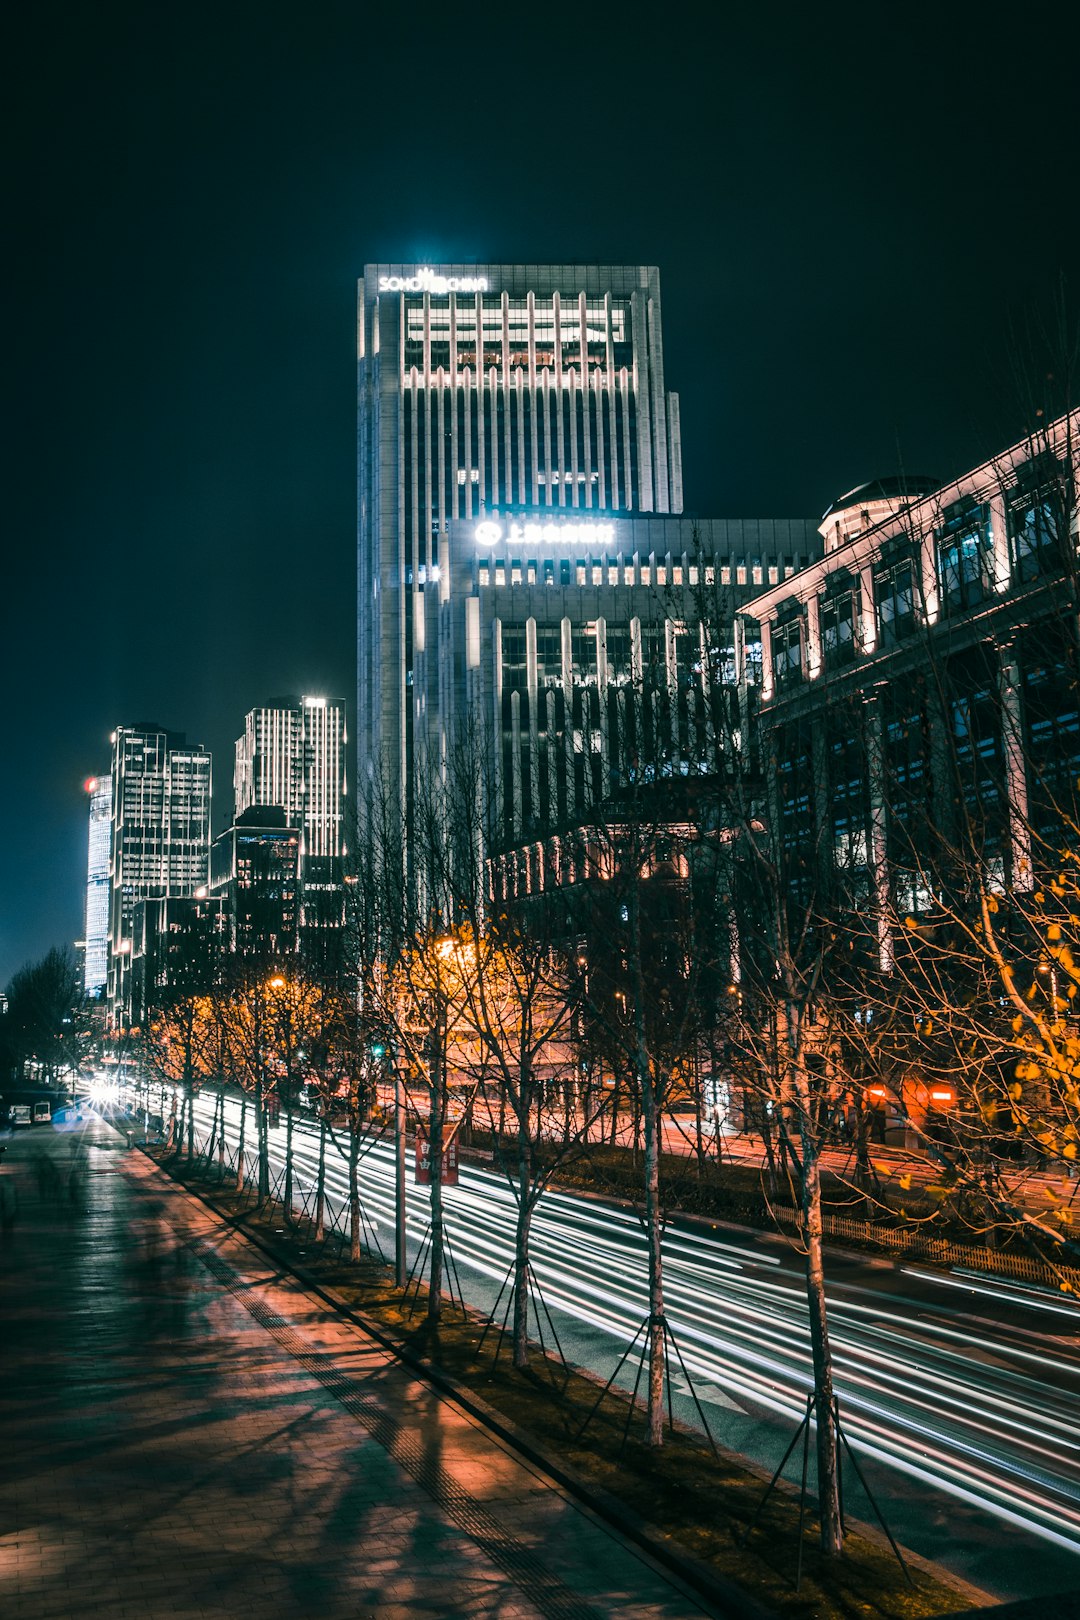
pixel 18 1114
pixel 42 1113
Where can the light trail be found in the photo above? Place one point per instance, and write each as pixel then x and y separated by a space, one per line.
pixel 953 1409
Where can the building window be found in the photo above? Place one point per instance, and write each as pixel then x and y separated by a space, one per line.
pixel 964 559
pixel 788 657
pixel 1035 533
pixel 838 621
pixel 894 601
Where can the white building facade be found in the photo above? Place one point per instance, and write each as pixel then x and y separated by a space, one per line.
pixel 520 394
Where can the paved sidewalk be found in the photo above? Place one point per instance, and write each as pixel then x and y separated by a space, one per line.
pixel 185 1432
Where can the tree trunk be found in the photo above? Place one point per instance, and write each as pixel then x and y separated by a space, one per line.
pixel 288 1151
pixel 435 1158
pixel 807 1165
pixel 241 1144
pixel 354 1186
pixel 320 1188
pixel 645 1108
pixel 699 1121
pixel 832 1535
pixel 521 1251
pixel 654 1239
pixel 262 1141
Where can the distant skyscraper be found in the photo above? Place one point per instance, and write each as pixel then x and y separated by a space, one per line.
pixel 96 919
pixel 292 756
pixel 160 837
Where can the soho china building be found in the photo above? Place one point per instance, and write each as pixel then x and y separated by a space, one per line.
pixel 520 481
pixel 486 390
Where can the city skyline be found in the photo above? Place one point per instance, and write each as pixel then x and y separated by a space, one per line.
pixel 185 418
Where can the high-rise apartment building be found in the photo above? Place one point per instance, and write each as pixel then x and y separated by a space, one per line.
pixel 533 393
pixel 96 914
pixel 160 837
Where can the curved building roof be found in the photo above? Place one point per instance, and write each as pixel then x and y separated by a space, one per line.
pixel 910 487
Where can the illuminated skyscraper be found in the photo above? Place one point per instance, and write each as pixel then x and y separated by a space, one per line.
pixel 525 577
pixel 160 837
pixel 292 756
pixel 96 917
pixel 535 391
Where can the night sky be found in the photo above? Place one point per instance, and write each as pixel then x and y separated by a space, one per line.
pixel 854 211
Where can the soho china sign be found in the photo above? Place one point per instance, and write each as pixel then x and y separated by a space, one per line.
pixel 544 532
pixel 428 281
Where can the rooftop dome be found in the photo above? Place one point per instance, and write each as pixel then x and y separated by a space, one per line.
pixel 868 505
pixel 911 487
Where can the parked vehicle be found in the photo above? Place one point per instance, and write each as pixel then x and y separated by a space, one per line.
pixel 42 1113
pixel 19 1114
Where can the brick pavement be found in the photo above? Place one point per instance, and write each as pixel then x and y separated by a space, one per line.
pixel 186 1432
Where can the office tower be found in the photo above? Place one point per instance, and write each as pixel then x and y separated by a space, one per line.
pixel 175 944
pixel 523 391
pixel 522 567
pixel 96 915
pixel 160 837
pixel 255 870
pixel 292 756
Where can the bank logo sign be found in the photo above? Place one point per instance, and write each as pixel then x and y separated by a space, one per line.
pixel 544 532
pixel 427 281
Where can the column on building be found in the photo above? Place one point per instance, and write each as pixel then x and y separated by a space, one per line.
pixel 1020 864
pixel 877 795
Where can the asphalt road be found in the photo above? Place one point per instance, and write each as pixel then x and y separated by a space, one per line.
pixel 961 1394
